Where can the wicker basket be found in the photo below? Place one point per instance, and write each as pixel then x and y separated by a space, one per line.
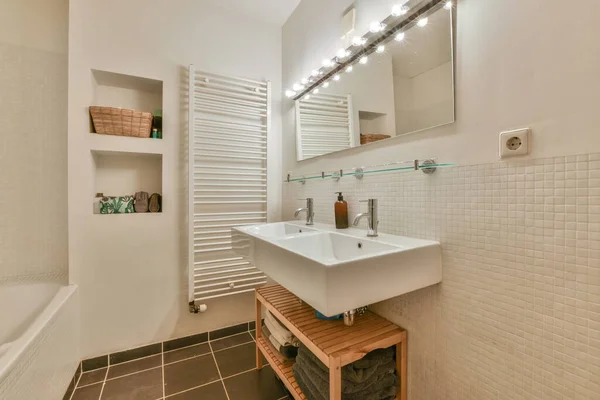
pixel 372 137
pixel 121 121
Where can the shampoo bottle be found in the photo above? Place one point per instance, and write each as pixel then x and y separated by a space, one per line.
pixel 341 212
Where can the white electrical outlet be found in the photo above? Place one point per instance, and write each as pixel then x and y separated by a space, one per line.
pixel 514 143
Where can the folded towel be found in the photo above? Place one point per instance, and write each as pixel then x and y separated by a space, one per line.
pixel 386 387
pixel 359 371
pixel 281 339
pixel 348 387
pixel 275 343
pixel 288 351
pixel 277 329
pixel 315 388
pixel 375 357
pixel 307 385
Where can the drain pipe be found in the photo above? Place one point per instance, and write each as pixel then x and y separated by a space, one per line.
pixel 349 317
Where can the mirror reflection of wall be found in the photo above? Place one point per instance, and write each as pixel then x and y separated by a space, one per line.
pixel 423 76
pixel 406 87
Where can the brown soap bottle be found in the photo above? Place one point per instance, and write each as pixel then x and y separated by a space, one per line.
pixel 341 212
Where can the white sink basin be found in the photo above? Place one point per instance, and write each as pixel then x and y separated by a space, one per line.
pixel 330 248
pixel 277 230
pixel 339 270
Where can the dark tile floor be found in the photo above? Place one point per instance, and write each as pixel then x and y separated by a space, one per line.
pixel 222 369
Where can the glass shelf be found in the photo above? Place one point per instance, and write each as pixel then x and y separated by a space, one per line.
pixel 359 172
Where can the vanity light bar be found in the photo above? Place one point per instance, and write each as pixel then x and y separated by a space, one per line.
pixel 368 44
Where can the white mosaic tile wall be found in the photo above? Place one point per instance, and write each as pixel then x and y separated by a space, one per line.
pixel 33 161
pixel 517 315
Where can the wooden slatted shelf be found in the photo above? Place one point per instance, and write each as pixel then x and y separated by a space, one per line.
pixel 334 343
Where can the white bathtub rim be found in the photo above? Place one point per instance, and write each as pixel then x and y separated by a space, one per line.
pixel 9 360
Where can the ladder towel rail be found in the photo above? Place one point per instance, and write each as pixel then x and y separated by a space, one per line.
pixel 229 120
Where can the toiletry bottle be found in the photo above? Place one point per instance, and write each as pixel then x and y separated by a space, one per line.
pixel 341 212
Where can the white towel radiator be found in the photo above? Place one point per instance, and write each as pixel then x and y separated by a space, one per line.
pixel 229 119
pixel 324 124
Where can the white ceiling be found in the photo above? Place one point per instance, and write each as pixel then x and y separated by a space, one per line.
pixel 271 11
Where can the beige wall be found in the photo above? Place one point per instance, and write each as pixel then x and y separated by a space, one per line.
pixel 132 270
pixel 33 139
pixel 516 65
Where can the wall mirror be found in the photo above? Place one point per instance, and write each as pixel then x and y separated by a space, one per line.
pixel 391 82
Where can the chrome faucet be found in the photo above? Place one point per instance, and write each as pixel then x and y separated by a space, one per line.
pixel 373 216
pixel 310 214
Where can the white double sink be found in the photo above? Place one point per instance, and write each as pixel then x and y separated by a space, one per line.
pixel 339 270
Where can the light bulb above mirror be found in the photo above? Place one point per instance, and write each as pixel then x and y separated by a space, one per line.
pixel 376 27
pixel 343 53
pixel 399 10
pixel 359 41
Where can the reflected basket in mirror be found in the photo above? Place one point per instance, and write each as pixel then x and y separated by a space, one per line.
pixel 121 121
pixel 372 137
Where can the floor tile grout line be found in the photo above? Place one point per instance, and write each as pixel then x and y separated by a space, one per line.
pixel 92 370
pixel 187 358
pixel 162 363
pixel 219 371
pixel 76 383
pixel 132 373
pixel 227 337
pixel 232 347
pixel 239 373
pixel 216 351
pixel 90 384
pixel 120 376
pixel 130 361
pixel 167 351
pixel 206 342
pixel 212 351
pixel 185 347
pixel 103 383
pixel 121 363
pixel 194 388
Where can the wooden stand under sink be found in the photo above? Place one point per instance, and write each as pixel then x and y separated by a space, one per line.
pixel 335 344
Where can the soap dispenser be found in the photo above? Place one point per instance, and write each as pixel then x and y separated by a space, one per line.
pixel 341 212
